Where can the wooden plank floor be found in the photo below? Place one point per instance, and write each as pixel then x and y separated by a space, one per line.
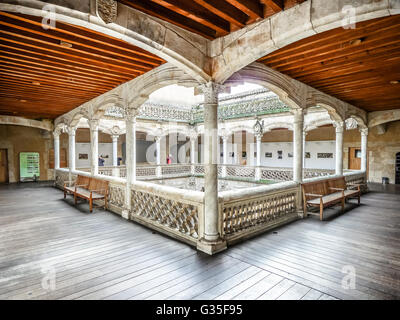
pixel 102 256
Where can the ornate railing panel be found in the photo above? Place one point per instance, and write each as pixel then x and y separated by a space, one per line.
pixel 357 177
pixel 240 171
pixel 250 211
pixel 176 170
pixel 167 209
pixel 146 171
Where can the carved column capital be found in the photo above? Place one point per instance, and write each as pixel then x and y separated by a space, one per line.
pixel 211 90
pixel 130 114
pixel 298 115
pixel 364 131
pixel 94 124
pixel 71 130
pixel 339 126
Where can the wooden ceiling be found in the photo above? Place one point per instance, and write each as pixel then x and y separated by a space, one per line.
pixel 211 18
pixel 46 73
pixel 360 66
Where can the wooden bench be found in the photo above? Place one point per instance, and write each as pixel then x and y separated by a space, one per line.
pixel 328 192
pixel 87 188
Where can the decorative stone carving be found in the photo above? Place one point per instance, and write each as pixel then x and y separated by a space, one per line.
pixel 106 10
pixel 259 129
pixel 351 123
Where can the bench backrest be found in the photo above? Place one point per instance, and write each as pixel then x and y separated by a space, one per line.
pixel 82 180
pixel 322 187
pixel 100 185
pixel 316 187
pixel 339 182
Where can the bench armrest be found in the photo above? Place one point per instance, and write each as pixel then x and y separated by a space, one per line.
pixel 354 186
pixel 340 189
pixel 104 190
pixel 68 182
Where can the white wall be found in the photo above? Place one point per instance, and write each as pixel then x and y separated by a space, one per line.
pixel 313 147
pixel 104 149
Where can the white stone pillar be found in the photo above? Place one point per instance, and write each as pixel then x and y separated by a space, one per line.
pixel 56 135
pixel 364 146
pixel 298 120
pixel 94 146
pixel 115 149
pixel 224 155
pixel 193 139
pixel 130 121
pixel 339 147
pixel 258 159
pixel 158 157
pixel 304 149
pixel 211 243
pixel 71 147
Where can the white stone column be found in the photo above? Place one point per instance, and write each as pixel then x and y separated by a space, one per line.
pixel 339 147
pixel 298 120
pixel 304 149
pixel 211 243
pixel 158 157
pixel 224 155
pixel 71 147
pixel 364 146
pixel 94 146
pixel 56 135
pixel 258 159
pixel 193 139
pixel 115 149
pixel 130 121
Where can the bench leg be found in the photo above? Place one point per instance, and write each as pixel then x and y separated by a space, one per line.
pixel 343 204
pixel 65 194
pixel 75 200
pixel 321 212
pixel 91 205
pixel 359 200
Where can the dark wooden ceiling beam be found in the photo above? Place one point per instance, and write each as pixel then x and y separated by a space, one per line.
pixel 46 48
pixel 76 49
pixel 54 57
pixel 198 13
pixel 252 8
pixel 274 5
pixel 75 34
pixel 43 64
pixel 226 11
pixel 163 13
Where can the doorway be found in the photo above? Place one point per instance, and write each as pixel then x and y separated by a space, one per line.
pixel 3 166
pixel 354 158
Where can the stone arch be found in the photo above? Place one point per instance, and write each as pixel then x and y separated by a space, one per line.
pixel 277 125
pixel 286 27
pixel 291 92
pixel 19 121
pixel 335 108
pixel 175 45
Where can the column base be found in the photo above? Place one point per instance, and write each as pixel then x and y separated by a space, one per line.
pixel 211 247
pixel 125 214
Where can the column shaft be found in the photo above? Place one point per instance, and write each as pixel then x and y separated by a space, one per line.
pixel 364 145
pixel 339 148
pixel 56 151
pixel 211 168
pixel 71 146
pixel 94 146
pixel 298 145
